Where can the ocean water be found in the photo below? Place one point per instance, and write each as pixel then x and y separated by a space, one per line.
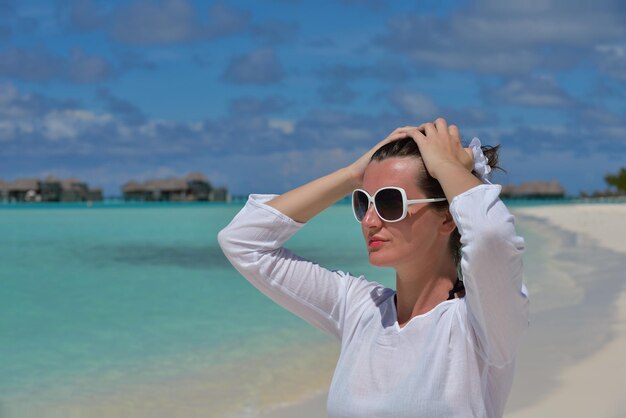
pixel 123 304
pixel 99 300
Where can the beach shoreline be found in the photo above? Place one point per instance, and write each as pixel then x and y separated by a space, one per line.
pixel 592 384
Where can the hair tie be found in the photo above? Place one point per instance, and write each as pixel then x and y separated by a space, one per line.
pixel 481 163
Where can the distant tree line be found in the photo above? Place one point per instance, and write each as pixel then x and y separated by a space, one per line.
pixel 616 186
pixel 617 180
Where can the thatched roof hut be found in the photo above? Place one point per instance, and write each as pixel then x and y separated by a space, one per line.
pixel 535 189
pixel 51 189
pixel 131 186
pixel 194 186
pixel 196 176
pixel 167 185
pixel 21 190
pixel 72 183
pixel 24 185
pixel 4 189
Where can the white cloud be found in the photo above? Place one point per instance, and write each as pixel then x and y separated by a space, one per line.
pixel 417 105
pixel 69 124
pixel 505 37
pixel 613 59
pixel 285 126
pixel 534 91
pixel 260 66
pixel 7 131
pixel 8 93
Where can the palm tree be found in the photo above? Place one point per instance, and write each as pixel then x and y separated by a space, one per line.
pixel 617 180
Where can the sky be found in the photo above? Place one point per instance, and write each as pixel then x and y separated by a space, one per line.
pixel 262 96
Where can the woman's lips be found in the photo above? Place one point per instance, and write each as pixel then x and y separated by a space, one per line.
pixel 375 243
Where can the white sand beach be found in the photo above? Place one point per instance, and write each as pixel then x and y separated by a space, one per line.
pixel 589 374
pixel 594 386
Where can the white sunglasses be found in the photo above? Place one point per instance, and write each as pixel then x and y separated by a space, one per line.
pixel 390 203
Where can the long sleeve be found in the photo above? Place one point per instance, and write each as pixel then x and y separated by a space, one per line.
pixel 253 243
pixel 491 264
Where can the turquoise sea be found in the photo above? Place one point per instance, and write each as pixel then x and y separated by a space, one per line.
pixel 130 305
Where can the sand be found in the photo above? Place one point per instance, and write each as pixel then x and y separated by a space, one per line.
pixel 594 386
pixel 572 363
pixel 604 224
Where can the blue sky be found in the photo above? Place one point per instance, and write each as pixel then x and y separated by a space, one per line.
pixel 262 96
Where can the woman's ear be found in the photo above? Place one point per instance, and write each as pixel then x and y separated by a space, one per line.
pixel 447 225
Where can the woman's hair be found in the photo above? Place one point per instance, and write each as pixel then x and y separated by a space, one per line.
pixel 407 147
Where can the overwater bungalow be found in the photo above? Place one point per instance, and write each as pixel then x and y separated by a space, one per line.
pixel 50 189
pixel 193 187
pixel 534 190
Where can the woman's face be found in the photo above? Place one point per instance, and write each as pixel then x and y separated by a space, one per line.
pixel 416 238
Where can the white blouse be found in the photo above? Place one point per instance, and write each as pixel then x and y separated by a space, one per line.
pixel 457 360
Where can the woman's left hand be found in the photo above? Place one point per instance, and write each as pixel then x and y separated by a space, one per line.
pixel 440 146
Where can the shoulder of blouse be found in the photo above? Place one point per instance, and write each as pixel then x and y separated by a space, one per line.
pixel 479 189
pixel 259 201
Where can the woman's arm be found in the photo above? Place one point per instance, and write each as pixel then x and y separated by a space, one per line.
pixel 491 260
pixel 253 243
pixel 303 203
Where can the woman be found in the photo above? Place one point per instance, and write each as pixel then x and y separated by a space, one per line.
pixel 436 346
